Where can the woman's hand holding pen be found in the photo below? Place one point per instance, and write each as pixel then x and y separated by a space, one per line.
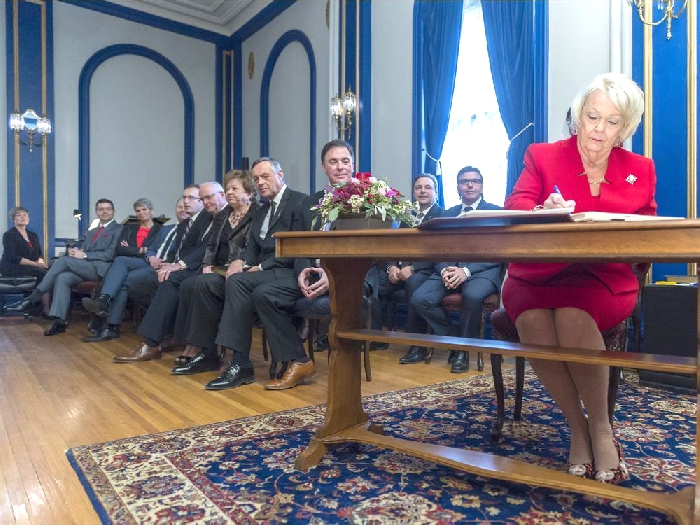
pixel 556 200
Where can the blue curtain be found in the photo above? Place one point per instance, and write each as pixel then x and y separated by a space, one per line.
pixel 437 27
pixel 509 39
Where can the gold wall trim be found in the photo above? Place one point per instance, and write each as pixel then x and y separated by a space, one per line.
pixel 648 82
pixel 358 110
pixel 15 52
pixel 692 134
pixel 343 21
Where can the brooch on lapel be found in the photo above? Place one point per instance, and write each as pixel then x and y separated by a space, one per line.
pixel 631 179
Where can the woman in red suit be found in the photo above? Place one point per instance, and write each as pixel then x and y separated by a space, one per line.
pixel 569 304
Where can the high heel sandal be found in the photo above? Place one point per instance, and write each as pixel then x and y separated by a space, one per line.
pixel 617 475
pixel 581 470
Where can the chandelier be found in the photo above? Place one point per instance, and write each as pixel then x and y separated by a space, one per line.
pixel 30 128
pixel 666 7
pixel 342 110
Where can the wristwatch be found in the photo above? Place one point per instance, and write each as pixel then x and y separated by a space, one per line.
pixel 183 264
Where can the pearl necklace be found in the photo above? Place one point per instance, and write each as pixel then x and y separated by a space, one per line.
pixel 594 182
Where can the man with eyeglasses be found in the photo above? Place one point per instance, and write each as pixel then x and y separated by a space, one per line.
pixel 475 281
pixel 159 290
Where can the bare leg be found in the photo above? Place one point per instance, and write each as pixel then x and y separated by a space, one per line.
pixel 575 328
pixel 539 327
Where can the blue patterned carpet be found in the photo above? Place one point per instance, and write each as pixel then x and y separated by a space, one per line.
pixel 241 471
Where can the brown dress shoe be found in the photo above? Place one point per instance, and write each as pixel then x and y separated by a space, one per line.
pixel 296 374
pixel 142 353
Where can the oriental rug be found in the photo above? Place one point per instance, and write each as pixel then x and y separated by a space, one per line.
pixel 242 471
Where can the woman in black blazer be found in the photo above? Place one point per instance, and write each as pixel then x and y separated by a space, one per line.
pixel 22 255
pixel 136 237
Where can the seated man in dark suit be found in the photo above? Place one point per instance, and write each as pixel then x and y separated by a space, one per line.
pixel 126 270
pixel 475 281
pixel 261 273
pixel 410 275
pixel 88 263
pixel 160 291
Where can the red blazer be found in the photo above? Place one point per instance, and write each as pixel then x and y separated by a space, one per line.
pixel 630 187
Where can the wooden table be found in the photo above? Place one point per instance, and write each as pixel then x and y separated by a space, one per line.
pixel 347 255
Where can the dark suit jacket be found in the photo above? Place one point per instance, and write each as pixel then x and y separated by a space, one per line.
pixel 629 188
pixel 262 251
pixel 435 211
pixel 100 248
pixel 237 238
pixel 160 237
pixel 194 244
pixel 487 270
pixel 15 248
pixel 129 232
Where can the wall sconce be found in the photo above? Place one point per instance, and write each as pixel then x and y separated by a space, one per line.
pixel 665 6
pixel 342 110
pixel 31 124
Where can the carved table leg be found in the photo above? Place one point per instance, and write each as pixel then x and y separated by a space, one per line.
pixel 344 409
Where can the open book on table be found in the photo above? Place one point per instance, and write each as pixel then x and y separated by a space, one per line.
pixel 508 217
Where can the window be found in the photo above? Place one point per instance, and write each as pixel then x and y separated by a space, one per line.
pixel 476 135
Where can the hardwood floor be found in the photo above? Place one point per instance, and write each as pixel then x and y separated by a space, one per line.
pixel 57 393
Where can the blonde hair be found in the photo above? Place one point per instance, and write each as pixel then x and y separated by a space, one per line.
pixel 622 91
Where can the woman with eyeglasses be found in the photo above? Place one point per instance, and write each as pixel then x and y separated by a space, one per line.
pixel 568 305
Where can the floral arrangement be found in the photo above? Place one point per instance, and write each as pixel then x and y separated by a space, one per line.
pixel 364 194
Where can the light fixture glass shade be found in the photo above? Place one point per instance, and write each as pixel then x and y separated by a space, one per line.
pixel 349 102
pixel 16 122
pixel 336 106
pixel 43 126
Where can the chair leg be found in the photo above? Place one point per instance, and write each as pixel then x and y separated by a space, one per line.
pixel 368 369
pixel 480 362
pixel 613 385
pixel 311 336
pixel 496 371
pixel 519 385
pixel 264 345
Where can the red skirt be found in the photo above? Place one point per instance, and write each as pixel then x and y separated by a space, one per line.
pixel 575 287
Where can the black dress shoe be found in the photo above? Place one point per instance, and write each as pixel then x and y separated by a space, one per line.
pixel 207 360
pixel 415 354
pixel 451 357
pixel 58 327
pixel 25 305
pixel 99 306
pixel 232 377
pixel 461 363
pixel 110 332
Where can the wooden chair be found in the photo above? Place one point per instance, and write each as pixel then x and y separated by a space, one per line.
pixel 16 286
pixel 453 303
pixel 504 329
pixel 313 312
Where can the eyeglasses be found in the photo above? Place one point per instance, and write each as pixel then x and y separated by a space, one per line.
pixel 209 197
pixel 190 198
pixel 470 182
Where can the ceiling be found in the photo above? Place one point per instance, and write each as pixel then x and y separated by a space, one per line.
pixel 220 16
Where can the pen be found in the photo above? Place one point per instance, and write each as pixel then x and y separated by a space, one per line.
pixel 556 190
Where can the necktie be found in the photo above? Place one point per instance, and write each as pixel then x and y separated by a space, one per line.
pixel 266 222
pixel 465 209
pixel 419 217
pixel 97 233
pixel 184 236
